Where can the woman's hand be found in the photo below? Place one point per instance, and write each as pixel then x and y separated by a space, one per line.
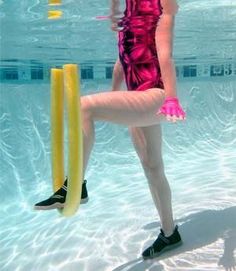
pixel 172 109
pixel 115 21
pixel 115 15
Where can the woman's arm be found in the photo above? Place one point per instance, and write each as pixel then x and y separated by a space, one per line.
pixel 115 6
pixel 171 107
pixel 164 46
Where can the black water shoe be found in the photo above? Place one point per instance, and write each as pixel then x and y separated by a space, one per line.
pixel 163 244
pixel 57 200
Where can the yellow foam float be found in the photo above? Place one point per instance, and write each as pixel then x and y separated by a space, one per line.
pixel 69 75
pixel 54 2
pixel 57 128
pixel 54 14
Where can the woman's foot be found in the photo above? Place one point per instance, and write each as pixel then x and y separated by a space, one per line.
pixel 163 244
pixel 57 200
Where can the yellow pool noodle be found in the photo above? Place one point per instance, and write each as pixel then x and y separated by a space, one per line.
pixel 54 14
pixel 54 2
pixel 75 139
pixel 57 128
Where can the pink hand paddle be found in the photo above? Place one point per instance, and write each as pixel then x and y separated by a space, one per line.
pixel 172 107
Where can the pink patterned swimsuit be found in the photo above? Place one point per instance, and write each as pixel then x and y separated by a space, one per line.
pixel 137 50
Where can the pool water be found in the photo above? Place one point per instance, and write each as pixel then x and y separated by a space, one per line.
pixel 120 219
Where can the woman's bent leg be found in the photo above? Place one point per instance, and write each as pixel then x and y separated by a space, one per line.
pixel 131 108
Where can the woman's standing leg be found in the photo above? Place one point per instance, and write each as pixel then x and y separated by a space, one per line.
pixel 147 142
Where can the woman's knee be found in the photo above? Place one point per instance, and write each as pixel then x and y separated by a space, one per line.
pixel 147 143
pixel 152 165
pixel 159 91
pixel 139 142
pixel 153 161
pixel 86 107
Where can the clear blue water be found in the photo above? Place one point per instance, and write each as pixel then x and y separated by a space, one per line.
pixel 120 220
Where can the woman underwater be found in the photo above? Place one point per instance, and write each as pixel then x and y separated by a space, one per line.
pixel 145 41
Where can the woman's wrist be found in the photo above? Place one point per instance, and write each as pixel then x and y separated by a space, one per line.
pixel 171 99
pixel 170 94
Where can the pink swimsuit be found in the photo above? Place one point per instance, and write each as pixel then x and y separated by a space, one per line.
pixel 137 50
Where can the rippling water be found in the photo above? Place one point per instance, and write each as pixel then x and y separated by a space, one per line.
pixel 203 29
pixel 120 220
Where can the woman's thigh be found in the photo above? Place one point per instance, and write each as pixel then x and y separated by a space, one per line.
pixel 131 108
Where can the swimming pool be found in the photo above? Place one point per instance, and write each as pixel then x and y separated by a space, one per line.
pixel 120 220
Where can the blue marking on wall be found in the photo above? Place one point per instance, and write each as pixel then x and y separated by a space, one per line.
pixel 34 71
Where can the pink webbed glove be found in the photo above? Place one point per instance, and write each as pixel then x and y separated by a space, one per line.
pixel 172 109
